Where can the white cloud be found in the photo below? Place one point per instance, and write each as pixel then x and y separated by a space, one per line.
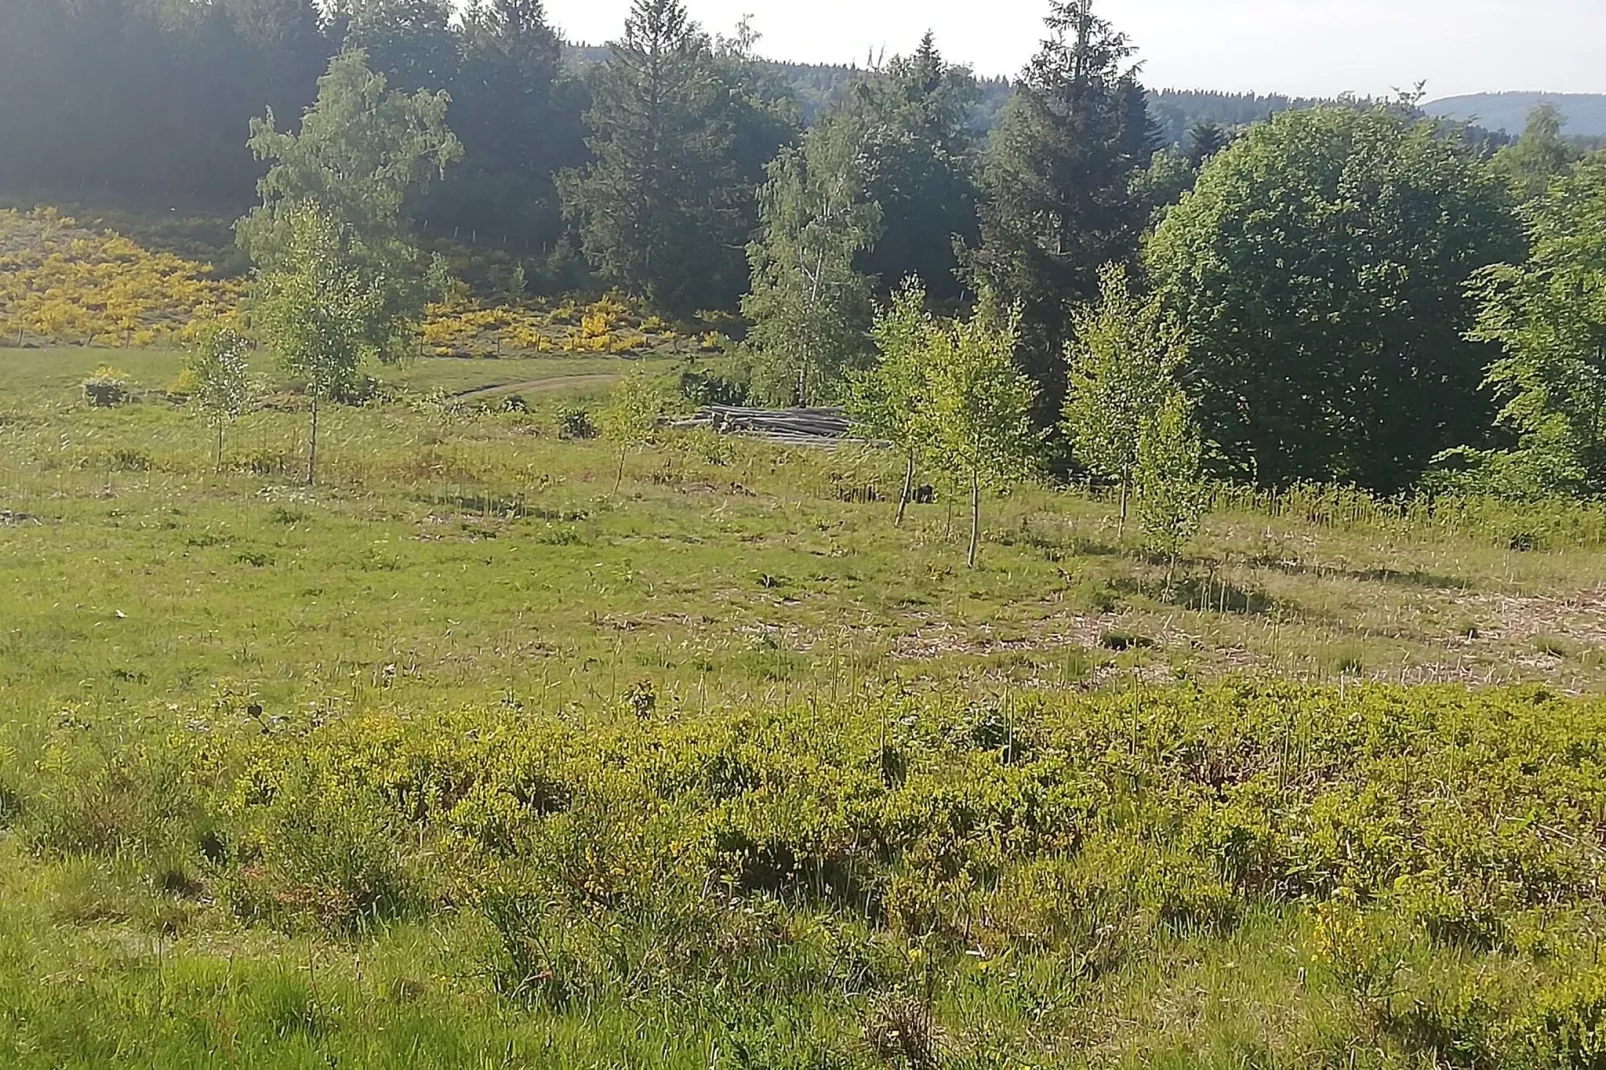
pixel 1292 46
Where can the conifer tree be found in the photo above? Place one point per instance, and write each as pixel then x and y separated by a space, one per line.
pixel 920 160
pixel 659 210
pixel 1057 200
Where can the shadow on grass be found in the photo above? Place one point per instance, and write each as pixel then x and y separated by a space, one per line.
pixel 1208 596
pixel 1394 577
pixel 496 505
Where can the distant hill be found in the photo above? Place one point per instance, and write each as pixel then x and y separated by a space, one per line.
pixel 1585 112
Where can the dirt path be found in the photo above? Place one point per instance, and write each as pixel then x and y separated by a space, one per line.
pixel 556 382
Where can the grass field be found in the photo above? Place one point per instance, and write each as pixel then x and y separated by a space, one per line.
pixel 462 758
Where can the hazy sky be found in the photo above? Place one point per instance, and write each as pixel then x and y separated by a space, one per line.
pixel 1303 47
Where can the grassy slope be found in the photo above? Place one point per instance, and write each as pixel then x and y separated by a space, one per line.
pixel 455 560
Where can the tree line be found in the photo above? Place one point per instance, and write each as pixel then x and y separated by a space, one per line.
pixel 1351 292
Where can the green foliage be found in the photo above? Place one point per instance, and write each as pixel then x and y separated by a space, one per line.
pixel 105 388
pixel 574 421
pixel 979 411
pixel 1549 316
pixel 916 872
pixel 1319 269
pixel 222 380
pixel 1055 187
pixel 361 151
pixel 920 154
pixel 1539 156
pixel 1123 359
pixel 1170 488
pixel 890 401
pixel 318 313
pixel 631 415
pixel 810 308
pixel 661 210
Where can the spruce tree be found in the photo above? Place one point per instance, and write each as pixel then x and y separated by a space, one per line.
pixel 659 210
pixel 1057 201
pixel 518 126
pixel 1205 140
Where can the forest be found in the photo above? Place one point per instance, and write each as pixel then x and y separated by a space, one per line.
pixel 527 555
pixel 706 182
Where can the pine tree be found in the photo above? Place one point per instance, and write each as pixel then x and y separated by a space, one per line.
pixel 658 211
pixel 810 308
pixel 1057 200
pixel 410 42
pixel 1205 140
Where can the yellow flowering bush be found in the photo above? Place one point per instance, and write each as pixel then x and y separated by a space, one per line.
pixel 65 284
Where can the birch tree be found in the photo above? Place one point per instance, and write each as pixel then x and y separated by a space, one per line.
pixel 811 309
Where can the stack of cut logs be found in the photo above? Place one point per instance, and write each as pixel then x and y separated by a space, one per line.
pixel 792 427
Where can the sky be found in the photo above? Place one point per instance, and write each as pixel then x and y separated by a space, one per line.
pixel 1298 47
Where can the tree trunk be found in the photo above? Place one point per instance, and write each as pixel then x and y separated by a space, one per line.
pixel 975 514
pixel 908 488
pixel 218 461
pixel 620 478
pixel 312 454
pixel 1126 499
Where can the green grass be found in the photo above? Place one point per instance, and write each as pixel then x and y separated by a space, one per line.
pixel 294 776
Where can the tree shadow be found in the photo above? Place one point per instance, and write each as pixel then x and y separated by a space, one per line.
pixel 1207 596
pixel 1392 576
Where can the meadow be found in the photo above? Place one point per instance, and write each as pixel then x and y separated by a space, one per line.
pixel 464 757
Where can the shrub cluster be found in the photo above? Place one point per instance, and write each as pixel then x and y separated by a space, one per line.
pixel 655 849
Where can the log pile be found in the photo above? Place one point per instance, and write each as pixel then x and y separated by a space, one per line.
pixel 791 427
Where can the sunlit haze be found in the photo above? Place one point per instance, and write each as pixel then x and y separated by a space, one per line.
pixel 1304 47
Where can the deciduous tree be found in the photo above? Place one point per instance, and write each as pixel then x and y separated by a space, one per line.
pixel 1319 268
pixel 1548 315
pixel 1123 359
pixel 891 401
pixel 811 310
pixel 318 312
pixel 361 151
pixel 980 422
pixel 222 377
pixel 631 416
pixel 1170 487
pixel 1539 157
